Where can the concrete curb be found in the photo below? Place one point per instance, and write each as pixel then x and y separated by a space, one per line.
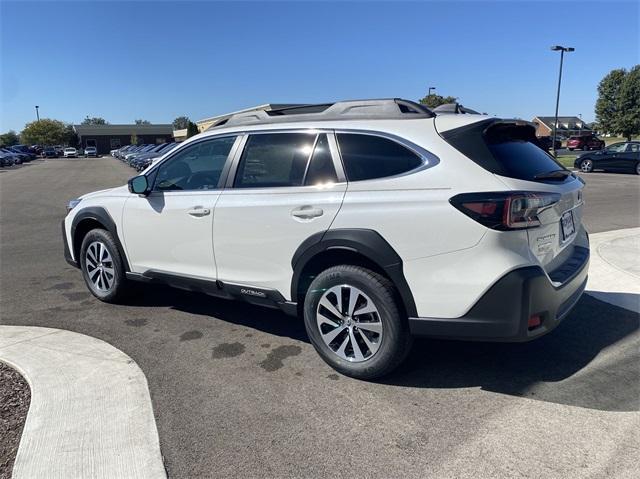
pixel 614 272
pixel 90 413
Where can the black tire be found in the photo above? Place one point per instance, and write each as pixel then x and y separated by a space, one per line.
pixel 395 340
pixel 570 149
pixel 637 170
pixel 118 288
pixel 586 166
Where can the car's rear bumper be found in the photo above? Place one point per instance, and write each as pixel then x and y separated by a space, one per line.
pixel 503 312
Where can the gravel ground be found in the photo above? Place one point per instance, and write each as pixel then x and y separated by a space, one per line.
pixel 14 404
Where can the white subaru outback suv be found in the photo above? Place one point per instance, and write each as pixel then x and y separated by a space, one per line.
pixel 375 220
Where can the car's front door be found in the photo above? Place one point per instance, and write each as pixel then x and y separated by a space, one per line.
pixel 284 188
pixel 170 230
pixel 609 158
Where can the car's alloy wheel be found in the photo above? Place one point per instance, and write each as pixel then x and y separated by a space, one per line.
pixel 349 323
pixel 586 166
pixel 99 266
pixel 638 168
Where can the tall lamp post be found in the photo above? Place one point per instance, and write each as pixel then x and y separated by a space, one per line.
pixel 561 49
pixel 431 88
pixel 37 113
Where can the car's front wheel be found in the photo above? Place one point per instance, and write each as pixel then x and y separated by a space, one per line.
pixel 586 166
pixel 102 266
pixel 355 323
pixel 638 168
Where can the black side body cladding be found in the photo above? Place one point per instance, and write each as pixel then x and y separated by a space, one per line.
pixel 269 298
pixel 67 251
pixel 99 214
pixel 365 242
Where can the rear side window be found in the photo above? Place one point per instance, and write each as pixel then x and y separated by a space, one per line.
pixel 505 149
pixel 367 157
pixel 274 159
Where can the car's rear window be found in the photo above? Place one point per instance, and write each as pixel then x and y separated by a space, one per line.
pixel 523 159
pixel 503 148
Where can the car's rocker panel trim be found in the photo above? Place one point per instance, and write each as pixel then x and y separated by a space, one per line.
pixel 269 298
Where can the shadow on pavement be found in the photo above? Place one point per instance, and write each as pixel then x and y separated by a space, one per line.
pixel 555 368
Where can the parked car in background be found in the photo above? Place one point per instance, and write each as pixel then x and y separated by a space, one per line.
pixel 143 161
pixel 59 149
pixel 373 227
pixel 584 142
pixel 545 143
pixel 6 159
pixel 621 157
pixel 49 152
pixel 17 158
pixel 90 151
pixel 25 153
pixel 70 152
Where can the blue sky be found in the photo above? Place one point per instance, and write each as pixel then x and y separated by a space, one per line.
pixel 159 60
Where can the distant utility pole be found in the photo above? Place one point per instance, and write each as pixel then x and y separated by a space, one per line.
pixel 561 49
pixel 37 113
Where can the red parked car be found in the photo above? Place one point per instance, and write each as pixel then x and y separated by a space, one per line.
pixel 585 142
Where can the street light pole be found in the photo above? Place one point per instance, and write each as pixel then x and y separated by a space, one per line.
pixel 431 88
pixel 37 113
pixel 561 49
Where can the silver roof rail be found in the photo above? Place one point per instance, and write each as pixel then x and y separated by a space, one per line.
pixel 392 108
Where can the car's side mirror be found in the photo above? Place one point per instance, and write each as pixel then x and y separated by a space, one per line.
pixel 139 185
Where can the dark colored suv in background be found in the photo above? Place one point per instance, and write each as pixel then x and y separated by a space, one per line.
pixel 585 142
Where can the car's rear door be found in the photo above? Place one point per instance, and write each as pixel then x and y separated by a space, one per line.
pixel 170 230
pixel 283 188
pixel 630 157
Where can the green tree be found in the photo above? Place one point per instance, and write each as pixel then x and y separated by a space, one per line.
pixel 181 123
pixel 9 138
pixel 71 137
pixel 608 103
pixel 192 129
pixel 96 120
pixel 45 132
pixel 629 114
pixel 134 139
pixel 433 100
pixel 143 122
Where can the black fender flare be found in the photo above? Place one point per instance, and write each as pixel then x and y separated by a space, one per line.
pixel 102 216
pixel 366 242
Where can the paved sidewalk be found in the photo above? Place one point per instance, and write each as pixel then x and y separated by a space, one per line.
pixel 614 273
pixel 90 412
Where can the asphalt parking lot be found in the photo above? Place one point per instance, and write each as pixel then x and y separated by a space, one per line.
pixel 239 392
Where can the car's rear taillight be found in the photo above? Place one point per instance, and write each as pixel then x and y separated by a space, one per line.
pixel 505 210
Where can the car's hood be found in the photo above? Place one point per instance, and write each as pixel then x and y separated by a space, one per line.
pixel 117 191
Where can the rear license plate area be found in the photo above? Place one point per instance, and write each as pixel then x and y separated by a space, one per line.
pixel 567 224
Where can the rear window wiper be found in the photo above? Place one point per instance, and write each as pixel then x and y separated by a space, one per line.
pixel 553 175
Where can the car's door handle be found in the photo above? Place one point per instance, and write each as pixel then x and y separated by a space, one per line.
pixel 199 211
pixel 307 212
